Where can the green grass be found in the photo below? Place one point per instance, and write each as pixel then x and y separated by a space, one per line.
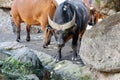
pixel 98 1
pixel 16 67
pixel 86 77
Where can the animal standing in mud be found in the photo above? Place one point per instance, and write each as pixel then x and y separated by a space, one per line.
pixel 69 22
pixel 33 12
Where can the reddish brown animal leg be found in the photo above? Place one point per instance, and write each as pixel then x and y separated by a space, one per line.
pixel 47 38
pixel 18 33
pixel 28 32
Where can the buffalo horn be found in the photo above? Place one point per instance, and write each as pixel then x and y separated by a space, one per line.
pixel 64 26
pixel 53 24
pixel 69 24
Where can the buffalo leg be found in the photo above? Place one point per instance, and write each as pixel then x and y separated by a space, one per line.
pixel 79 44
pixel 59 56
pixel 17 22
pixel 74 47
pixel 48 35
pixel 18 33
pixel 28 32
pixel 80 38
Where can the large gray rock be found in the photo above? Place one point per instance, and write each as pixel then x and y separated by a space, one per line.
pixel 5 22
pixel 100 47
pixel 10 45
pixel 26 55
pixel 21 56
pixel 6 3
pixel 105 76
pixel 111 12
pixel 107 6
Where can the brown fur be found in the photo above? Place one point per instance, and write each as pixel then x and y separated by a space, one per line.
pixel 97 15
pixel 32 12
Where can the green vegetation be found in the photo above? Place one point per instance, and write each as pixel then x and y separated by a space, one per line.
pixel 15 69
pixel 98 1
pixel 85 77
pixel 55 76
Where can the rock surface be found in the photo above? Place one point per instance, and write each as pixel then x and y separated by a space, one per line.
pixel 10 45
pixel 105 76
pixel 108 7
pixel 100 48
pixel 5 20
pixel 23 63
pixel 6 3
pixel 26 55
pixel 63 70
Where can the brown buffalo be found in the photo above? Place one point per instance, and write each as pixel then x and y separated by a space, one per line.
pixel 33 12
pixel 94 16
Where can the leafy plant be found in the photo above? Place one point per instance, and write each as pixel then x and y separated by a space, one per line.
pixel 16 68
pixel 98 1
pixel 86 77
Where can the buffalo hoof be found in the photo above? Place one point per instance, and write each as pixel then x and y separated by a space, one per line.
pixel 78 60
pixel 74 59
pixel 57 59
pixel 82 63
pixel 27 39
pixel 45 46
pixel 18 40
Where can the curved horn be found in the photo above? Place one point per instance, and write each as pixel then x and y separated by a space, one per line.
pixel 69 24
pixel 53 24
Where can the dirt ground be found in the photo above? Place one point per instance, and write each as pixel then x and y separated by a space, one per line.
pixel 37 42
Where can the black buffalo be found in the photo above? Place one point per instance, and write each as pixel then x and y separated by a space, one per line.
pixel 70 21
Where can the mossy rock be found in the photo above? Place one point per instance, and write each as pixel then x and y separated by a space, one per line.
pixel 15 69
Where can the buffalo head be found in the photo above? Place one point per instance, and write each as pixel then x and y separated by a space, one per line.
pixel 64 31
